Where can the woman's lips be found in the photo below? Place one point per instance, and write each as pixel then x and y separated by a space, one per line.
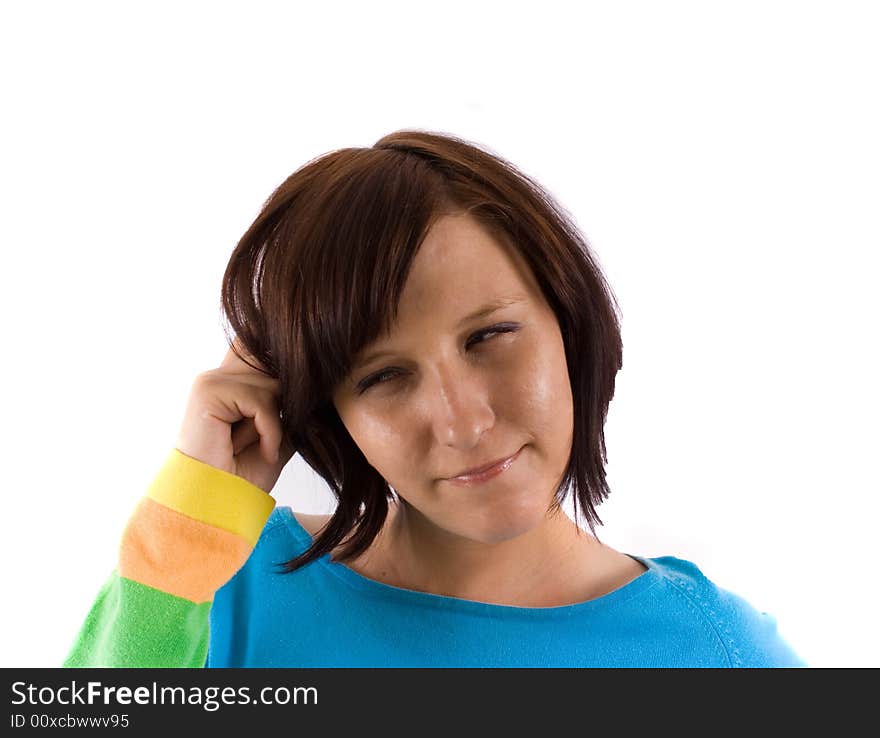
pixel 483 476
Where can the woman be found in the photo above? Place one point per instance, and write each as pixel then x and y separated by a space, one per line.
pixel 428 330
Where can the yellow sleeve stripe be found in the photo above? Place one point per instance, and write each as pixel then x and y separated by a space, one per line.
pixel 212 496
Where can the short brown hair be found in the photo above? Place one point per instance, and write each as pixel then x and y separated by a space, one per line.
pixel 319 274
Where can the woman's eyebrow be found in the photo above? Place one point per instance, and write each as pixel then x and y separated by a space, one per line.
pixel 489 308
pixel 481 312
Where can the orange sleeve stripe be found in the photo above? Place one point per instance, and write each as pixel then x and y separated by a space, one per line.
pixel 169 551
pixel 207 494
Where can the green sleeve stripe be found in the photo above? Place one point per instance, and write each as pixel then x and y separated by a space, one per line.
pixel 133 625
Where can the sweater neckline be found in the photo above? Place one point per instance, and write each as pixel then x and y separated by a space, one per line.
pixel 379 590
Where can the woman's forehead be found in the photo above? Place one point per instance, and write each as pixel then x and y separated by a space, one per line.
pixel 462 273
pixel 460 264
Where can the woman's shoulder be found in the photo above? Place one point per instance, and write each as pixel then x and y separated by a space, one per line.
pixel 288 531
pixel 283 517
pixel 750 635
pixel 311 523
pixel 286 527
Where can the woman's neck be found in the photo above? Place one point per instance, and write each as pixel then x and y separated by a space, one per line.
pixel 551 565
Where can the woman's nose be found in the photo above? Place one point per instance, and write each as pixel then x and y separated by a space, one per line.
pixel 459 405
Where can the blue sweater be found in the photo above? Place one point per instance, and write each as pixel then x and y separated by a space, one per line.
pixel 327 615
pixel 197 584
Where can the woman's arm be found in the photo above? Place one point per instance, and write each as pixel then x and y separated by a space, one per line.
pixel 188 536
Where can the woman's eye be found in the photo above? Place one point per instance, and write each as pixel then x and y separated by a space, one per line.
pixel 478 337
pixel 488 332
pixel 377 378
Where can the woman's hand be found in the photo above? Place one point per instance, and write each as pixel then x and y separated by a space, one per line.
pixel 232 422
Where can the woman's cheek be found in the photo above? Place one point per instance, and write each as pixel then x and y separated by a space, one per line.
pixel 377 432
pixel 531 376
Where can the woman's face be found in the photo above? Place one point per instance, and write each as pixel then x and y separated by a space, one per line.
pixel 445 397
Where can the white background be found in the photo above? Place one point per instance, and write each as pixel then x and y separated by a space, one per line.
pixel 721 159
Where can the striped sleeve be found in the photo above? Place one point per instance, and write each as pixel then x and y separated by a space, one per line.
pixel 192 531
